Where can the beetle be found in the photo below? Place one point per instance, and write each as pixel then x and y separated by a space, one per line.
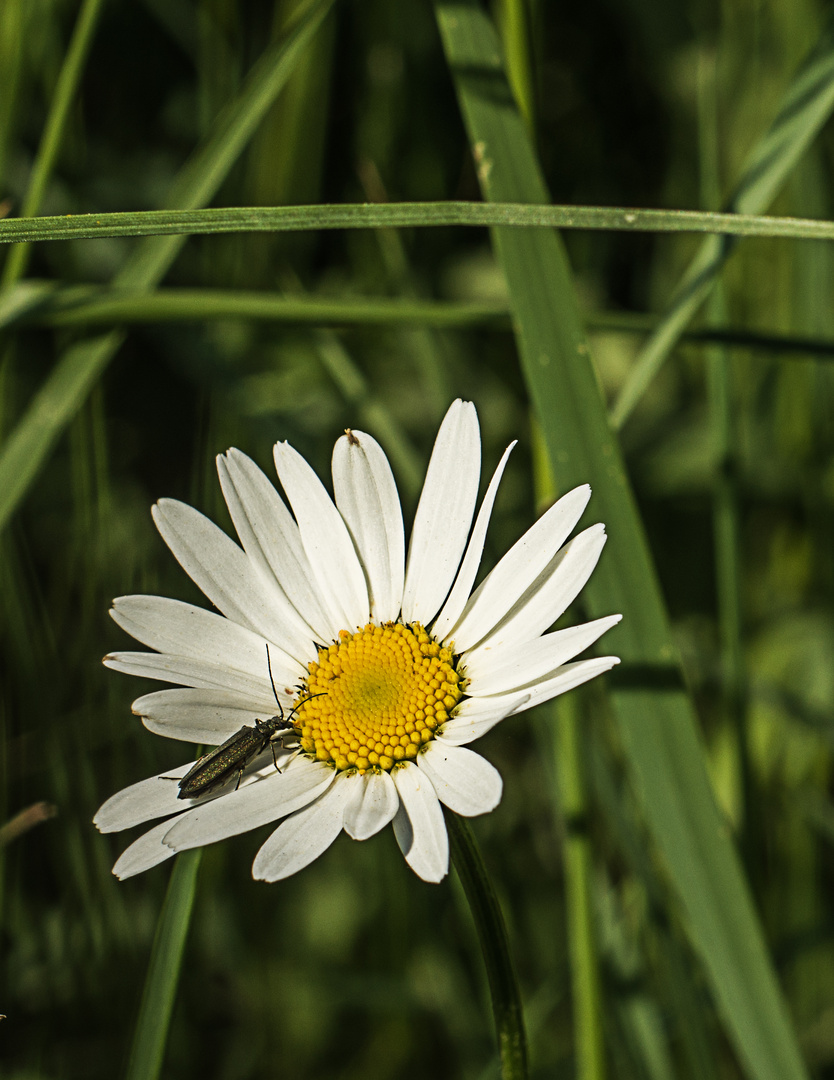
pixel 215 767
pixel 219 764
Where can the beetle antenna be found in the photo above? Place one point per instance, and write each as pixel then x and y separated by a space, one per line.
pixel 304 701
pixel 272 681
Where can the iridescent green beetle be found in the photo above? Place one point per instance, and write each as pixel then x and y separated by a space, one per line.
pixel 219 764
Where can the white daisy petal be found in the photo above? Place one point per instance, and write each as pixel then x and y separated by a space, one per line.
pixel 552 594
pixel 170 626
pixel 274 795
pixel 271 539
pixel 459 595
pixel 367 498
pixel 419 826
pixel 198 673
pixel 519 569
pixel 199 716
pixel 372 805
pixel 223 571
pixel 143 801
pixel 476 716
pixel 463 780
pixel 300 839
pixel 444 514
pixel 143 853
pixel 496 670
pixel 326 540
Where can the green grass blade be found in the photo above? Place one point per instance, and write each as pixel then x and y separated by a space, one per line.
pixel 65 92
pixel 254 219
pixel 805 108
pixel 44 303
pixel 151 1033
pixel 82 364
pixel 657 722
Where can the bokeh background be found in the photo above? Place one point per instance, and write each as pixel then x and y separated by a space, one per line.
pixel 355 968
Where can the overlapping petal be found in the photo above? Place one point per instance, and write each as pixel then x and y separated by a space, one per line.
pixel 223 571
pixel 459 596
pixel 474 717
pixel 419 826
pixel 444 514
pixel 199 716
pixel 367 498
pixel 171 626
pixel 144 853
pixel 300 839
pixel 327 542
pixel 516 574
pixel 463 780
pixel 274 795
pixel 372 805
pixel 495 670
pixel 143 801
pixel 201 674
pixel 271 539
pixel 550 595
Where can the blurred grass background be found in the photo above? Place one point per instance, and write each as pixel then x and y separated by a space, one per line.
pixel 356 968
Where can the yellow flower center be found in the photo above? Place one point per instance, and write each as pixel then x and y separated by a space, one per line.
pixel 385 691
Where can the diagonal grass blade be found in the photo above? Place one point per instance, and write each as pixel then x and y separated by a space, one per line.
pixel 658 726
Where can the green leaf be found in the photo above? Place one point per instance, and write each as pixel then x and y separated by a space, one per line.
pixel 659 732
pixel 77 371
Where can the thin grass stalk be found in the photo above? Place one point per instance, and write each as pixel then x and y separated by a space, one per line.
pixel 66 89
pixel 151 1033
pixel 563 735
pixel 588 1009
pixel 533 215
pixel 43 303
pixel 492 936
pixel 725 503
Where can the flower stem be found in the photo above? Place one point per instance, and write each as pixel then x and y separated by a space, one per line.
pixel 492 933
pixel 158 997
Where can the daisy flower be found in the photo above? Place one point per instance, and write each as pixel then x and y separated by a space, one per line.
pixel 384 667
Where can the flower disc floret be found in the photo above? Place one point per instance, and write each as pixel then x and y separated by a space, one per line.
pixel 383 693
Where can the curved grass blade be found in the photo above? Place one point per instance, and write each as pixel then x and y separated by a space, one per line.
pixel 657 722
pixel 805 108
pixel 78 369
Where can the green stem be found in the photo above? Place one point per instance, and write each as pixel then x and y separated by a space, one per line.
pixel 577 858
pixel 158 997
pixel 492 934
